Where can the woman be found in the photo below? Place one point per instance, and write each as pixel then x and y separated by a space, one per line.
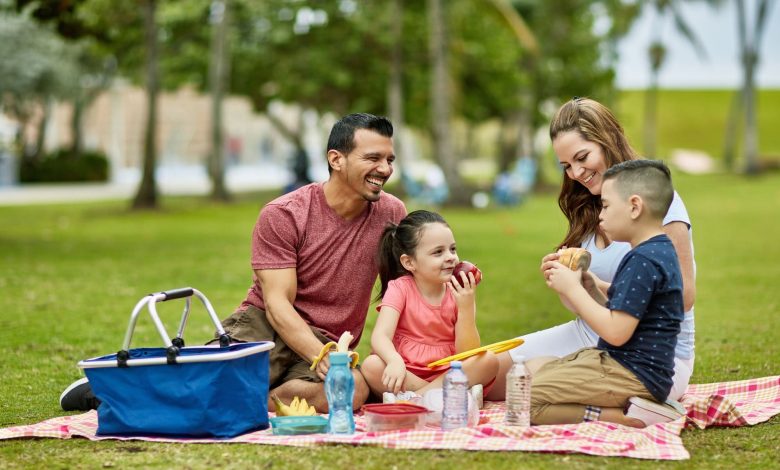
pixel 587 140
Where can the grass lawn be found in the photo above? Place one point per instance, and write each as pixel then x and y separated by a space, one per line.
pixel 70 275
pixel 696 119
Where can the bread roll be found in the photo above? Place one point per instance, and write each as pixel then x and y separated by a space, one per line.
pixel 574 258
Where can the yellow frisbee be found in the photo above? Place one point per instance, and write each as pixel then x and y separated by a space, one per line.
pixel 501 346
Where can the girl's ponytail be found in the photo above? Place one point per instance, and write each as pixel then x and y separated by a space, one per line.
pixel 388 258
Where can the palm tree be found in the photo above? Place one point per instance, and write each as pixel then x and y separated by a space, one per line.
pixel 749 47
pixel 657 55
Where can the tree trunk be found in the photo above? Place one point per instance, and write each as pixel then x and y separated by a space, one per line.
pixel 218 72
pixel 651 108
pixel 77 143
pixel 395 89
pixel 732 129
pixel 750 48
pixel 40 140
pixel 751 127
pixel 146 198
pixel 301 163
pixel 441 106
pixel 657 55
pixel 507 143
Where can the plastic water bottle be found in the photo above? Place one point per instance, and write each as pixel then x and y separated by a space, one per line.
pixel 455 412
pixel 340 391
pixel 518 395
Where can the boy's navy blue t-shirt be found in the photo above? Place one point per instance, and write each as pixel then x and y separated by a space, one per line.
pixel 648 285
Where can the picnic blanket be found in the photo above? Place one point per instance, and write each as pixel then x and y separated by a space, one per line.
pixel 741 403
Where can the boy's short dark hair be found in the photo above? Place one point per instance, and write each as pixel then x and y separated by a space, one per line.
pixel 649 179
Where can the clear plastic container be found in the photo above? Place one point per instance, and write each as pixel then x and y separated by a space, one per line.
pixel 455 413
pixel 295 425
pixel 394 416
pixel 518 395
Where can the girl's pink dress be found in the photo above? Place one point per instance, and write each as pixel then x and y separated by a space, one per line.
pixel 425 332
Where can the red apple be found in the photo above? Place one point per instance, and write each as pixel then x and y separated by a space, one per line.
pixel 466 267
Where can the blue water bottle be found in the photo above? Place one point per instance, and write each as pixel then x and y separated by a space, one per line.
pixel 455 410
pixel 340 391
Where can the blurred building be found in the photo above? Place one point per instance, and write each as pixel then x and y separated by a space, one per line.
pixel 256 154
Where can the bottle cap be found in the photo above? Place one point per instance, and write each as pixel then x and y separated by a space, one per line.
pixel 455 365
pixel 338 358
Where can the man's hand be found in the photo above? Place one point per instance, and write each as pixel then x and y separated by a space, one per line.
pixel 323 366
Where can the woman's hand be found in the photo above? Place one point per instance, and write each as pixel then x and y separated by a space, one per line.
pixel 394 375
pixel 591 284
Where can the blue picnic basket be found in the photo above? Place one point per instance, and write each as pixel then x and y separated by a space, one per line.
pixel 201 391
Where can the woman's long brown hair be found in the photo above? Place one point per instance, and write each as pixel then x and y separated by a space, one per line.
pixel 595 123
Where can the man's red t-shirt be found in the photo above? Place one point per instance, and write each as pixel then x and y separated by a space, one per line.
pixel 335 259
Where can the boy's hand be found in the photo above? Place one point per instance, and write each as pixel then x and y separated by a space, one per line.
pixel 547 258
pixel 560 278
pixel 393 376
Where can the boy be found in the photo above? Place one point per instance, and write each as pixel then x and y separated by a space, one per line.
pixel 637 326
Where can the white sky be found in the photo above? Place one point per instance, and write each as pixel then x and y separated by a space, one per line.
pixel 717 31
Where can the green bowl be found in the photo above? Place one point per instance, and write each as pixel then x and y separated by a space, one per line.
pixel 296 425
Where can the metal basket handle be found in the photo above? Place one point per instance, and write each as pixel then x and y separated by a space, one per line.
pixel 172 346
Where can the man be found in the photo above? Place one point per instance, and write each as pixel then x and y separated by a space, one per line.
pixel 314 261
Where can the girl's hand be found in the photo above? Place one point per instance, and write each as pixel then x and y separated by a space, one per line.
pixel 464 294
pixel 394 375
pixel 560 278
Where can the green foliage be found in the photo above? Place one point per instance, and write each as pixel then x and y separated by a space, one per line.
pixel 64 15
pixel 70 275
pixel 64 165
pixel 486 62
pixel 335 62
pixel 570 62
pixel 35 63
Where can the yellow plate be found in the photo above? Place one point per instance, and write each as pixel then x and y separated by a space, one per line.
pixel 501 346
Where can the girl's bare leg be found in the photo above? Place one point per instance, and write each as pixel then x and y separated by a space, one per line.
pixel 480 369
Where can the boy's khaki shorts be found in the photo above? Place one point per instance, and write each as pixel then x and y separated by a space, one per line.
pixel 586 377
pixel 251 324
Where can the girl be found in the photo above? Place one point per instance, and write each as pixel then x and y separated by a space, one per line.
pixel 425 314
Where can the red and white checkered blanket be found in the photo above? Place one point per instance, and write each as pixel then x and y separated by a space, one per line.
pixel 741 403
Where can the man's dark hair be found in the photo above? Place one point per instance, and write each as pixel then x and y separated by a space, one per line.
pixel 342 136
pixel 649 179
